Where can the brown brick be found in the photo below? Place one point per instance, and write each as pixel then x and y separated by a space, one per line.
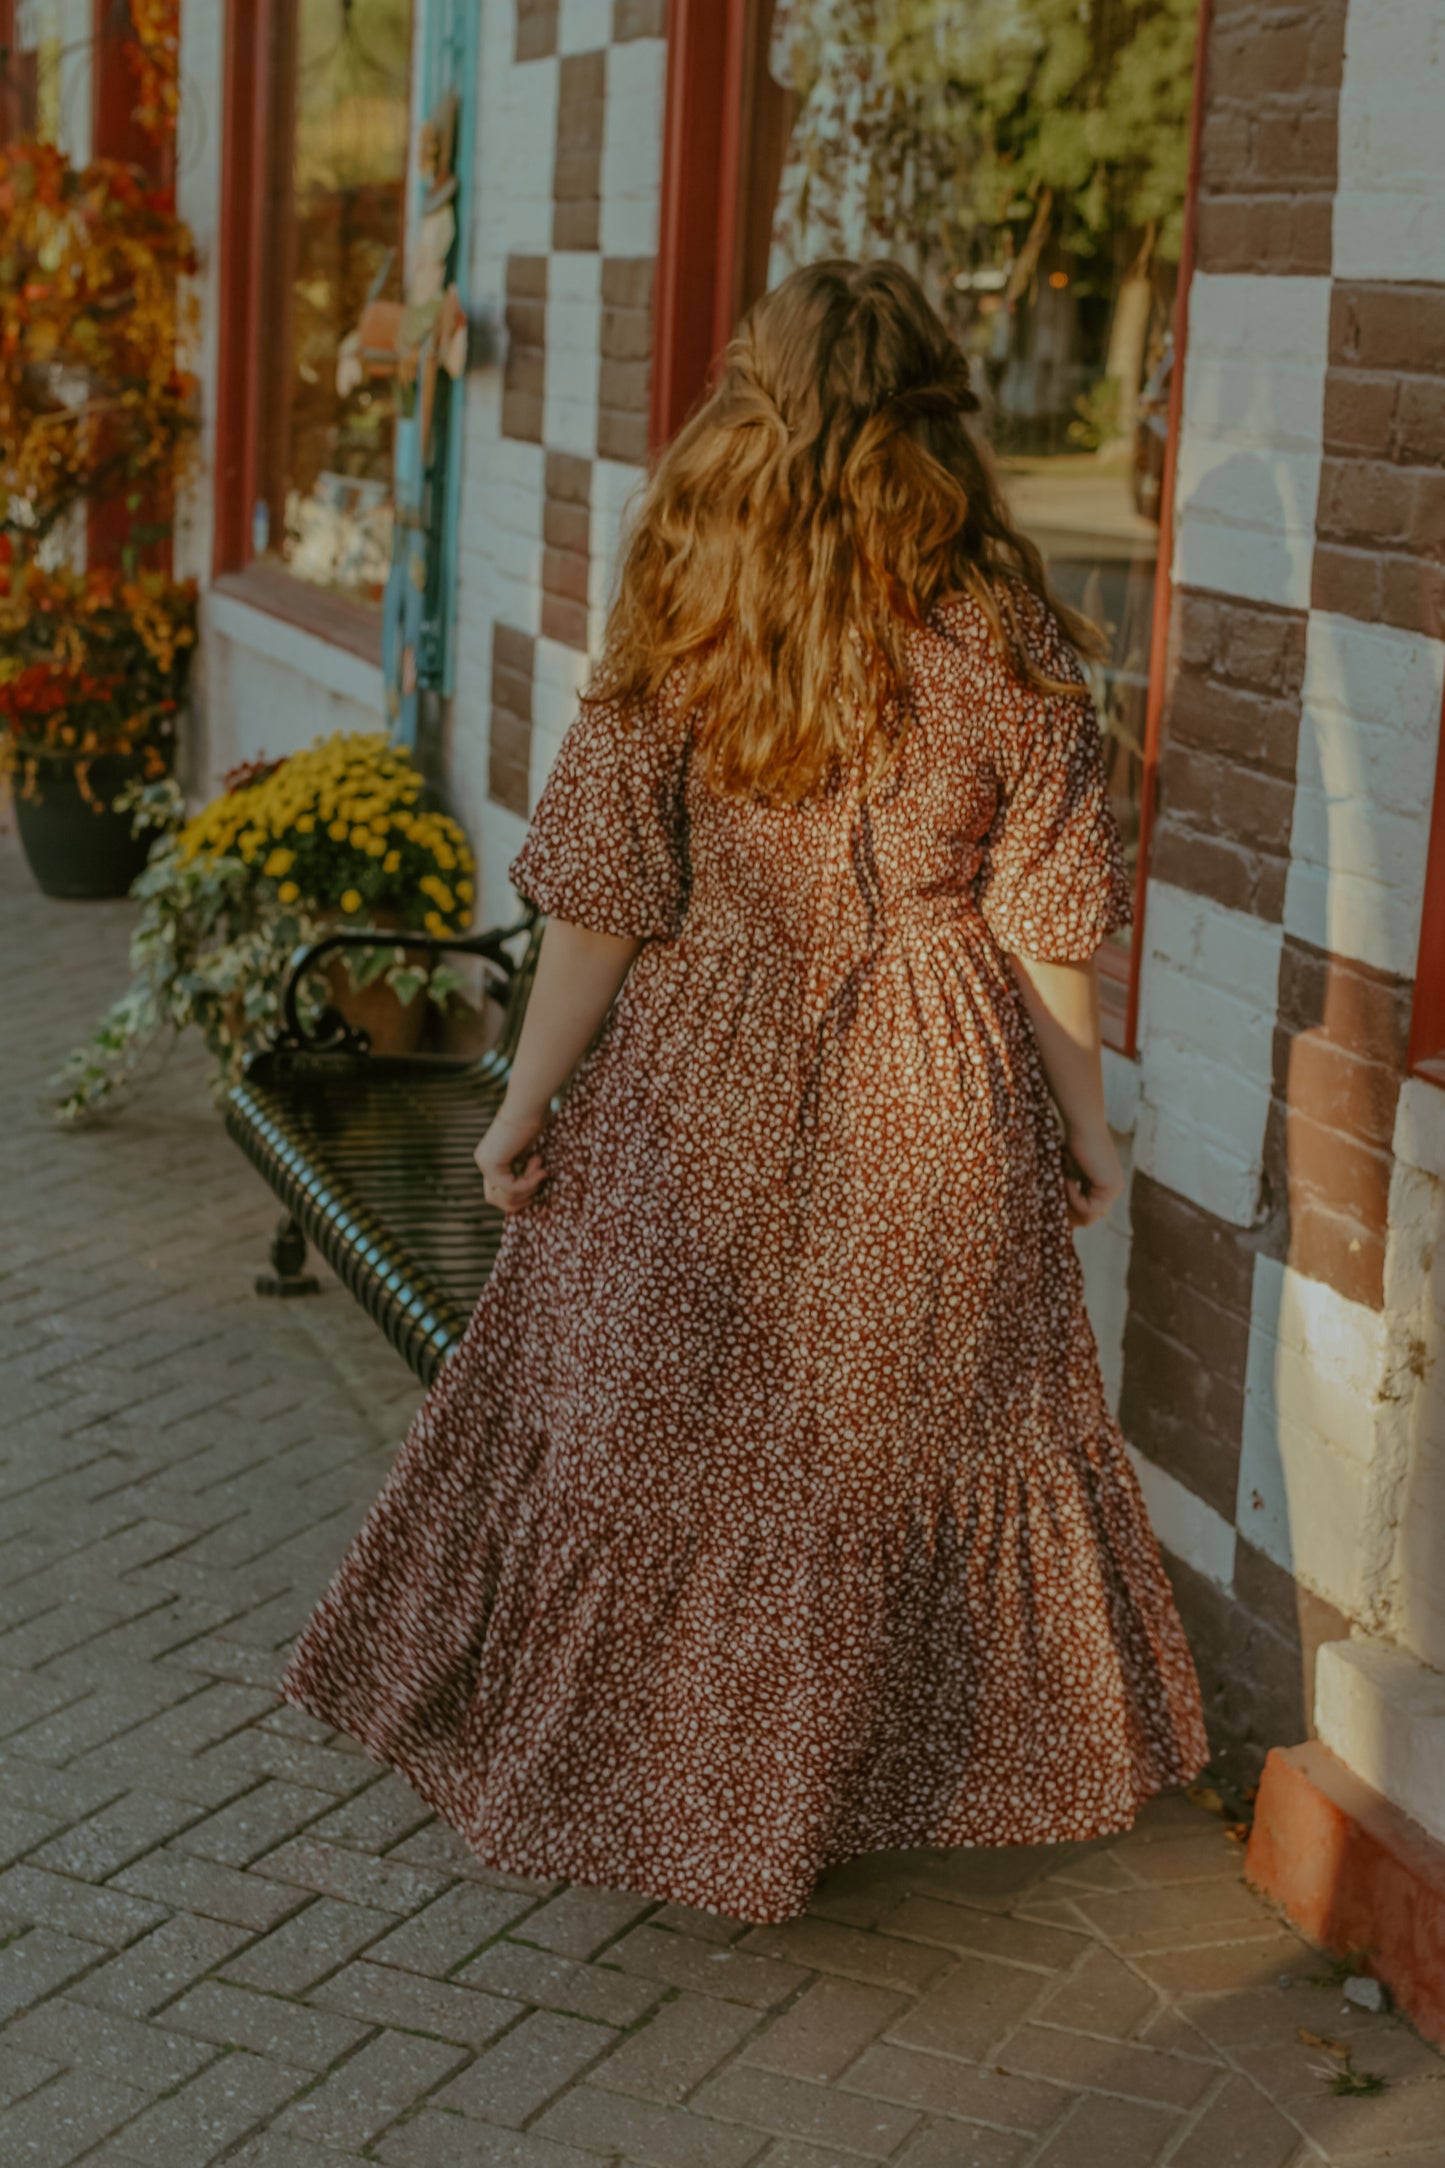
pixel 1363 501
pixel 1326 1246
pixel 582 79
pixel 522 416
pixel 1340 1090
pixel 1235 722
pixel 1226 146
pixel 513 650
pixel 526 371
pixel 1412 595
pixel 536 37
pixel 622 437
pixel 1192 1246
pixel 1425 529
pixel 564 576
pixel 638 19
pixel 1206 793
pixel 566 527
pixel 526 278
pixel 565 621
pixel 1387 326
pixel 1276 234
pixel 1296 149
pixel 568 478
pixel 1363 1009
pixel 1360 412
pixel 626 334
pixel 1347 582
pixel 1274 1596
pixel 1213 866
pixel 577 226
pixel 1421 420
pixel 627 282
pixel 1337 1174
pixel 513 692
pixel 1186 1419
pixel 1277 53
pixel 622 386
pixel 576 176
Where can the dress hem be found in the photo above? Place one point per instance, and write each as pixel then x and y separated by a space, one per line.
pixel 663 1889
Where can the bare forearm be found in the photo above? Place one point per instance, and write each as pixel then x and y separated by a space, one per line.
pixel 1062 1001
pixel 579 975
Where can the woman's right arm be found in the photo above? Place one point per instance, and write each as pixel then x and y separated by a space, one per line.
pixel 1062 1001
pixel 579 975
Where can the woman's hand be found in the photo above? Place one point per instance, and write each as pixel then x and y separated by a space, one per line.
pixel 512 1169
pixel 1093 1176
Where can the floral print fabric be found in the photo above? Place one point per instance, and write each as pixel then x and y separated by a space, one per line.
pixel 770 1510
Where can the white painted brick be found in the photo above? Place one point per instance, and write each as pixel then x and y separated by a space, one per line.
pixel 1308 1495
pixel 1208 996
pixel 1369 731
pixel 584 26
pixel 632 147
pixel 1218 947
pixel 1387 222
pixel 499 835
pixel 1260 318
pixel 573 275
pixel 1185 1525
pixel 1172 1149
pixel 1383 1712
pixel 1352 917
pixel 1121 1092
pixel 1420 1126
pixel 1249 455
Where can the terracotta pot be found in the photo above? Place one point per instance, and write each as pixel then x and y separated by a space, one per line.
pixel 393 1026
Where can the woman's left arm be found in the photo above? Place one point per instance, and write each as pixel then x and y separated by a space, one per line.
pixel 578 977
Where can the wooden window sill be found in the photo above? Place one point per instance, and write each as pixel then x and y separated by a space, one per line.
pixel 352 625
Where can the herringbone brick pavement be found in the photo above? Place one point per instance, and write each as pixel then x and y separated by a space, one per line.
pixel 229 1937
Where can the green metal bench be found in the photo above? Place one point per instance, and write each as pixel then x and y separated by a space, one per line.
pixel 371 1155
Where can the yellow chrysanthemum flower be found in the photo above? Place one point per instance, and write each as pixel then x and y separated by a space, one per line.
pixel 288 892
pixel 338 831
pixel 278 863
pixel 392 862
pixel 351 900
pixel 435 924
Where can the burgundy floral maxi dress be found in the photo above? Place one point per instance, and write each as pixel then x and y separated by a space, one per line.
pixel 770 1511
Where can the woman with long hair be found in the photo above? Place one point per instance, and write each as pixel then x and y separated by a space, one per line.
pixel 770 1511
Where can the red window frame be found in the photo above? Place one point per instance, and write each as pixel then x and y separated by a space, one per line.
pixel 1427 1016
pixel 249 296
pixel 711 65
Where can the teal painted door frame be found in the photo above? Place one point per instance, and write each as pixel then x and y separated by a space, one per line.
pixel 420 605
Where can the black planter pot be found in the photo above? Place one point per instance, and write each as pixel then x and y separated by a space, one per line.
pixel 76 847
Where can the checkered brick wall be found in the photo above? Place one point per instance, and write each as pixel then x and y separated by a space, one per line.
pixel 1286 1195
pixel 569 138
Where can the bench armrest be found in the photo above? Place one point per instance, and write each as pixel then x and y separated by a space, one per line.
pixel 330 1033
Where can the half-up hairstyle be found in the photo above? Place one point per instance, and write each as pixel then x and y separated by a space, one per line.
pixel 825 498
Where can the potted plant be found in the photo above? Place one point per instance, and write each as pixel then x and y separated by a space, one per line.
pixel 93 670
pixel 95 410
pixel 337 834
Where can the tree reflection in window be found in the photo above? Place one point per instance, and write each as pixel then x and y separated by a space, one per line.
pixel 1028 158
pixel 338 130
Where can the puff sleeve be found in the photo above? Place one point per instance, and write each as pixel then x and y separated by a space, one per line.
pixel 1054 882
pixel 607 845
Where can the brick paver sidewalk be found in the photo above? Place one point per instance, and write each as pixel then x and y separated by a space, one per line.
pixel 224 1935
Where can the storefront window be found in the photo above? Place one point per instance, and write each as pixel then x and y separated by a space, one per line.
pixel 336 154
pixel 1028 159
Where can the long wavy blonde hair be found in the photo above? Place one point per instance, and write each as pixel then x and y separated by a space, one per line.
pixel 823 500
